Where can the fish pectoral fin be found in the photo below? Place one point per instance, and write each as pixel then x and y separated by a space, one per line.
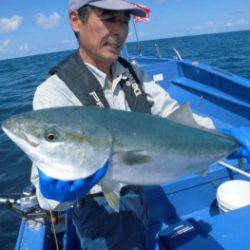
pixel 133 157
pixel 113 200
pixel 111 191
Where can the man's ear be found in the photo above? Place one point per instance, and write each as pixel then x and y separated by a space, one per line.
pixel 74 21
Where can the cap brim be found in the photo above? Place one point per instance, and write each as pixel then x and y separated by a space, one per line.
pixel 119 6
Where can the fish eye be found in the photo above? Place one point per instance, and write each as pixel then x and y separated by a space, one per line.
pixel 51 136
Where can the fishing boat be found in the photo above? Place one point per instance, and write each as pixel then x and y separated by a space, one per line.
pixel 188 213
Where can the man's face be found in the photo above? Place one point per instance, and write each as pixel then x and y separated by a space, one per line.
pixel 103 34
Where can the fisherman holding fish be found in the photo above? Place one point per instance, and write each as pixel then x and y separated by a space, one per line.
pixel 95 75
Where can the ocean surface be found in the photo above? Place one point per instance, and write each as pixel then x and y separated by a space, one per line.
pixel 20 77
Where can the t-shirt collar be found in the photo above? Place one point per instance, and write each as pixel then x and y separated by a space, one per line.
pixel 118 71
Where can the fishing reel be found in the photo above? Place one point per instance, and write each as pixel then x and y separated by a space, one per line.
pixel 26 206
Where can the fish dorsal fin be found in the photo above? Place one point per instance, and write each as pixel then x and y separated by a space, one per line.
pixel 111 191
pixel 184 115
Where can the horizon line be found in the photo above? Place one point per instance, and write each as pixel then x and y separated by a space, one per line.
pixel 128 42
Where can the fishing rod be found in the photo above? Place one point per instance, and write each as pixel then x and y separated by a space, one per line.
pixel 137 39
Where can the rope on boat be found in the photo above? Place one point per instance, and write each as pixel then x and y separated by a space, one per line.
pixel 54 230
pixel 239 171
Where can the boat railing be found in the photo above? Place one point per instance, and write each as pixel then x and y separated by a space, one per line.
pixel 142 50
pixel 234 169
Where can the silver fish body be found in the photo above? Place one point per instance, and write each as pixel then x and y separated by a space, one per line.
pixel 69 143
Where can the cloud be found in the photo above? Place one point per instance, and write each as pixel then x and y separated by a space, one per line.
pixel 4 46
pixel 229 24
pixel 239 23
pixel 6 43
pixel 210 24
pixel 8 25
pixel 24 47
pixel 48 22
pixel 197 27
pixel 66 42
pixel 242 21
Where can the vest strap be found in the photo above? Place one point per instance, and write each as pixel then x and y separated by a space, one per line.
pixel 88 90
pixel 132 87
pixel 81 81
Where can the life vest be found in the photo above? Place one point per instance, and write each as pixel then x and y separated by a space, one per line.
pixel 88 90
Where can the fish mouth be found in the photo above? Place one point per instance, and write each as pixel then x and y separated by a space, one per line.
pixel 7 127
pixel 12 129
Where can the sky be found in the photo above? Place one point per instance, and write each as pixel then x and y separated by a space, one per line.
pixel 29 27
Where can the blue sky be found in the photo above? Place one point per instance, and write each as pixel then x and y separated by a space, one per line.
pixel 29 27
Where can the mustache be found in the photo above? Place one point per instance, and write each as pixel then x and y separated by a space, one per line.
pixel 114 42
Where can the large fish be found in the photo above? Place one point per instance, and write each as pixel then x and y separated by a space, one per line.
pixel 69 143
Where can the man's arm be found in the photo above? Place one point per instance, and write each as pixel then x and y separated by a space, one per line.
pixel 54 93
pixel 163 104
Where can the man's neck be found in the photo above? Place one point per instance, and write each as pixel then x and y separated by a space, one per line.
pixel 105 67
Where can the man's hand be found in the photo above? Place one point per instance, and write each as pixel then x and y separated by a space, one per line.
pixel 64 191
pixel 242 135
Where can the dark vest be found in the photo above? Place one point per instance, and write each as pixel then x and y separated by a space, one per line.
pixel 88 90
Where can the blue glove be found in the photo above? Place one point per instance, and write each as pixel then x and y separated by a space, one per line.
pixel 242 135
pixel 64 191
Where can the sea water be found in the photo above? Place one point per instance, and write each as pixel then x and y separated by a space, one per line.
pixel 20 77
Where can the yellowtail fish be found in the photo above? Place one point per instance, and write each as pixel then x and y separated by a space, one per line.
pixel 70 143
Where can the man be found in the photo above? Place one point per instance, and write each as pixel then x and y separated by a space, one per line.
pixel 95 75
